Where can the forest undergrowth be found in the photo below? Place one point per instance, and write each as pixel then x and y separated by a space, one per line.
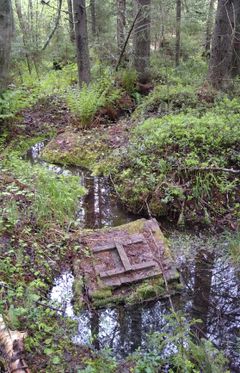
pixel 179 160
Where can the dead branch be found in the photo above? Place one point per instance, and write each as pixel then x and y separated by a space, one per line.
pixel 214 169
pixel 127 39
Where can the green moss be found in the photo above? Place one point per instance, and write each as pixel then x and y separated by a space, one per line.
pixel 149 289
pixel 114 300
pixel 76 149
pixel 102 294
pixel 133 227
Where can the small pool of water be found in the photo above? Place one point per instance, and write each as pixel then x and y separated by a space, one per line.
pixel 99 207
pixel 212 295
pixel 211 284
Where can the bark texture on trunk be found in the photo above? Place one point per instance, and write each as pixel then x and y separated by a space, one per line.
pixel 121 23
pixel 81 35
pixel 209 27
pixel 236 43
pixel 93 17
pixel 142 40
pixel 6 30
pixel 220 65
pixel 178 31
pixel 70 21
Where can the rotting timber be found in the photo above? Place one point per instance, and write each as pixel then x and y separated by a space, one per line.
pixel 129 263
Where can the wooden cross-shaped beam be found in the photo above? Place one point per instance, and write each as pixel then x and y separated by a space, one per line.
pixel 119 246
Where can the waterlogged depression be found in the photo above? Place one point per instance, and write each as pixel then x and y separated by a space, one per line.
pixel 211 283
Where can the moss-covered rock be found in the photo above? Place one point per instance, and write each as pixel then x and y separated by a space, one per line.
pixel 84 149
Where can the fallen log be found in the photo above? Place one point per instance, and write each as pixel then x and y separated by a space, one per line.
pixel 12 349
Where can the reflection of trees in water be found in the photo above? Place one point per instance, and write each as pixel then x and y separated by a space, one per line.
pixel 201 293
pixel 94 323
pixel 135 327
pixel 89 203
pixel 100 207
pixel 97 202
pixel 215 297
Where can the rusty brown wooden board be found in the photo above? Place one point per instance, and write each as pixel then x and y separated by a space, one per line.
pixel 135 276
pixel 137 267
pixel 118 245
pixel 136 238
pixel 123 256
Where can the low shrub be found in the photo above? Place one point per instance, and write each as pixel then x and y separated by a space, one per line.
pixel 32 90
pixel 128 80
pixel 86 102
pixel 167 98
pixel 178 165
pixel 50 199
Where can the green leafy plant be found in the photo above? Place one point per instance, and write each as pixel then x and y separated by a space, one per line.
pixel 86 102
pixel 50 199
pixel 168 164
pixel 128 80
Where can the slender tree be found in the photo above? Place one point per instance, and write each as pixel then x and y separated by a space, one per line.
pixel 70 21
pixel 93 17
pixel 6 28
pixel 178 31
pixel 121 23
pixel 236 44
pixel 209 27
pixel 24 30
pixel 81 36
pixel 221 59
pixel 142 39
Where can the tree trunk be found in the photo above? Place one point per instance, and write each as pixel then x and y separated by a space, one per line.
pixel 23 27
pixel 6 30
pixel 121 24
pixel 81 35
pixel 142 40
pixel 178 32
pixel 220 65
pixel 236 45
pixel 70 21
pixel 209 27
pixel 93 17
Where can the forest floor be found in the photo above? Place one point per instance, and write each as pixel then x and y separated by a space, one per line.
pixel 38 208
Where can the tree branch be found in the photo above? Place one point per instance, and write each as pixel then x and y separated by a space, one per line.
pixel 127 39
pixel 55 26
pixel 214 169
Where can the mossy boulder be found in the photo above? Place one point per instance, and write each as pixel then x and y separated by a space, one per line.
pixel 84 149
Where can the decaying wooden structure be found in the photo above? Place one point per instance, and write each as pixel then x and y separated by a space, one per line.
pixel 121 257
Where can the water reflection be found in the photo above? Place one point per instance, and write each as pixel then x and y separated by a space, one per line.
pixel 213 296
pixel 203 273
pixel 211 282
pixel 99 207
